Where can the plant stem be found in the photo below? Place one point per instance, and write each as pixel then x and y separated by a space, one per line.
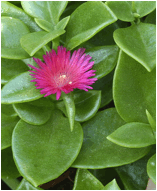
pixel 12 183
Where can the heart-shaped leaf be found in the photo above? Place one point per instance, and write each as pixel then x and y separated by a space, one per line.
pixel 133 135
pixel 11 31
pixel 95 143
pixel 19 90
pixel 151 168
pixel 134 90
pixel 139 42
pixel 48 149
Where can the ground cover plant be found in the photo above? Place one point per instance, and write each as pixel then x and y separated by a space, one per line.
pixel 78 95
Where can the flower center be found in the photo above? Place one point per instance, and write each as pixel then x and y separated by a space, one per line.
pixel 62 80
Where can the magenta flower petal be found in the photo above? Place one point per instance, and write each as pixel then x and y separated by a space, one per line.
pixel 60 72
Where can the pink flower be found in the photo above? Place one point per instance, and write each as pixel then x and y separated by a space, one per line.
pixel 62 72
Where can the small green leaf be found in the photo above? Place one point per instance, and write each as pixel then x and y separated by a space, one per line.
pixel 25 185
pixel 79 30
pixel 19 90
pixel 104 58
pixel 63 23
pixel 84 180
pixel 53 140
pixel 8 168
pixel 144 7
pixel 95 143
pixel 11 31
pixel 11 68
pixel 112 185
pixel 47 10
pixel 133 135
pixel 134 90
pixel 139 42
pixel 33 42
pixel 46 25
pixel 151 121
pixel 70 108
pixel 122 9
pixel 151 168
pixel 7 125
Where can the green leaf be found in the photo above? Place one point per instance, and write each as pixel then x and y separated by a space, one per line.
pixel 151 168
pixel 19 90
pixel 11 68
pixel 144 7
pixel 86 104
pixel 11 31
pixel 32 42
pixel 151 18
pixel 151 121
pixel 8 168
pixel 104 58
pixel 47 10
pixel 84 180
pixel 63 23
pixel 33 114
pixel 7 125
pixel 133 135
pixel 25 185
pixel 51 146
pixel 134 90
pixel 70 108
pixel 10 10
pixel 87 20
pixel 139 42
pixel 112 185
pixel 45 25
pixel 8 110
pixel 122 9
pixel 95 143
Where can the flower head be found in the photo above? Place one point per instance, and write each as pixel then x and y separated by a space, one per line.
pixel 62 72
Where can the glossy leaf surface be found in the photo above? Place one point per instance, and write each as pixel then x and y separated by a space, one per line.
pixel 8 168
pixel 139 42
pixel 33 42
pixel 10 37
pixel 104 58
pixel 19 90
pixel 112 186
pixel 79 30
pixel 51 140
pixel 25 185
pixel 84 180
pixel 134 90
pixel 7 125
pixel 151 168
pixel 133 135
pixel 11 68
pixel 10 10
pixel 122 9
pixel 47 10
pixel 95 143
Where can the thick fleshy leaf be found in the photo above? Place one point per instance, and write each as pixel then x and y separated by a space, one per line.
pixel 8 168
pixel 33 114
pixel 79 30
pixel 86 104
pixel 112 186
pixel 133 135
pixel 134 176
pixel 19 90
pixel 11 68
pixel 139 42
pixel 10 37
pixel 95 143
pixel 7 125
pixel 7 109
pixel 25 185
pixel 10 10
pixel 33 42
pixel 47 10
pixel 151 168
pixel 151 121
pixel 122 9
pixel 84 180
pixel 53 140
pixel 144 7
pixel 134 90
pixel 104 58
pixel 105 85
pixel 151 18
